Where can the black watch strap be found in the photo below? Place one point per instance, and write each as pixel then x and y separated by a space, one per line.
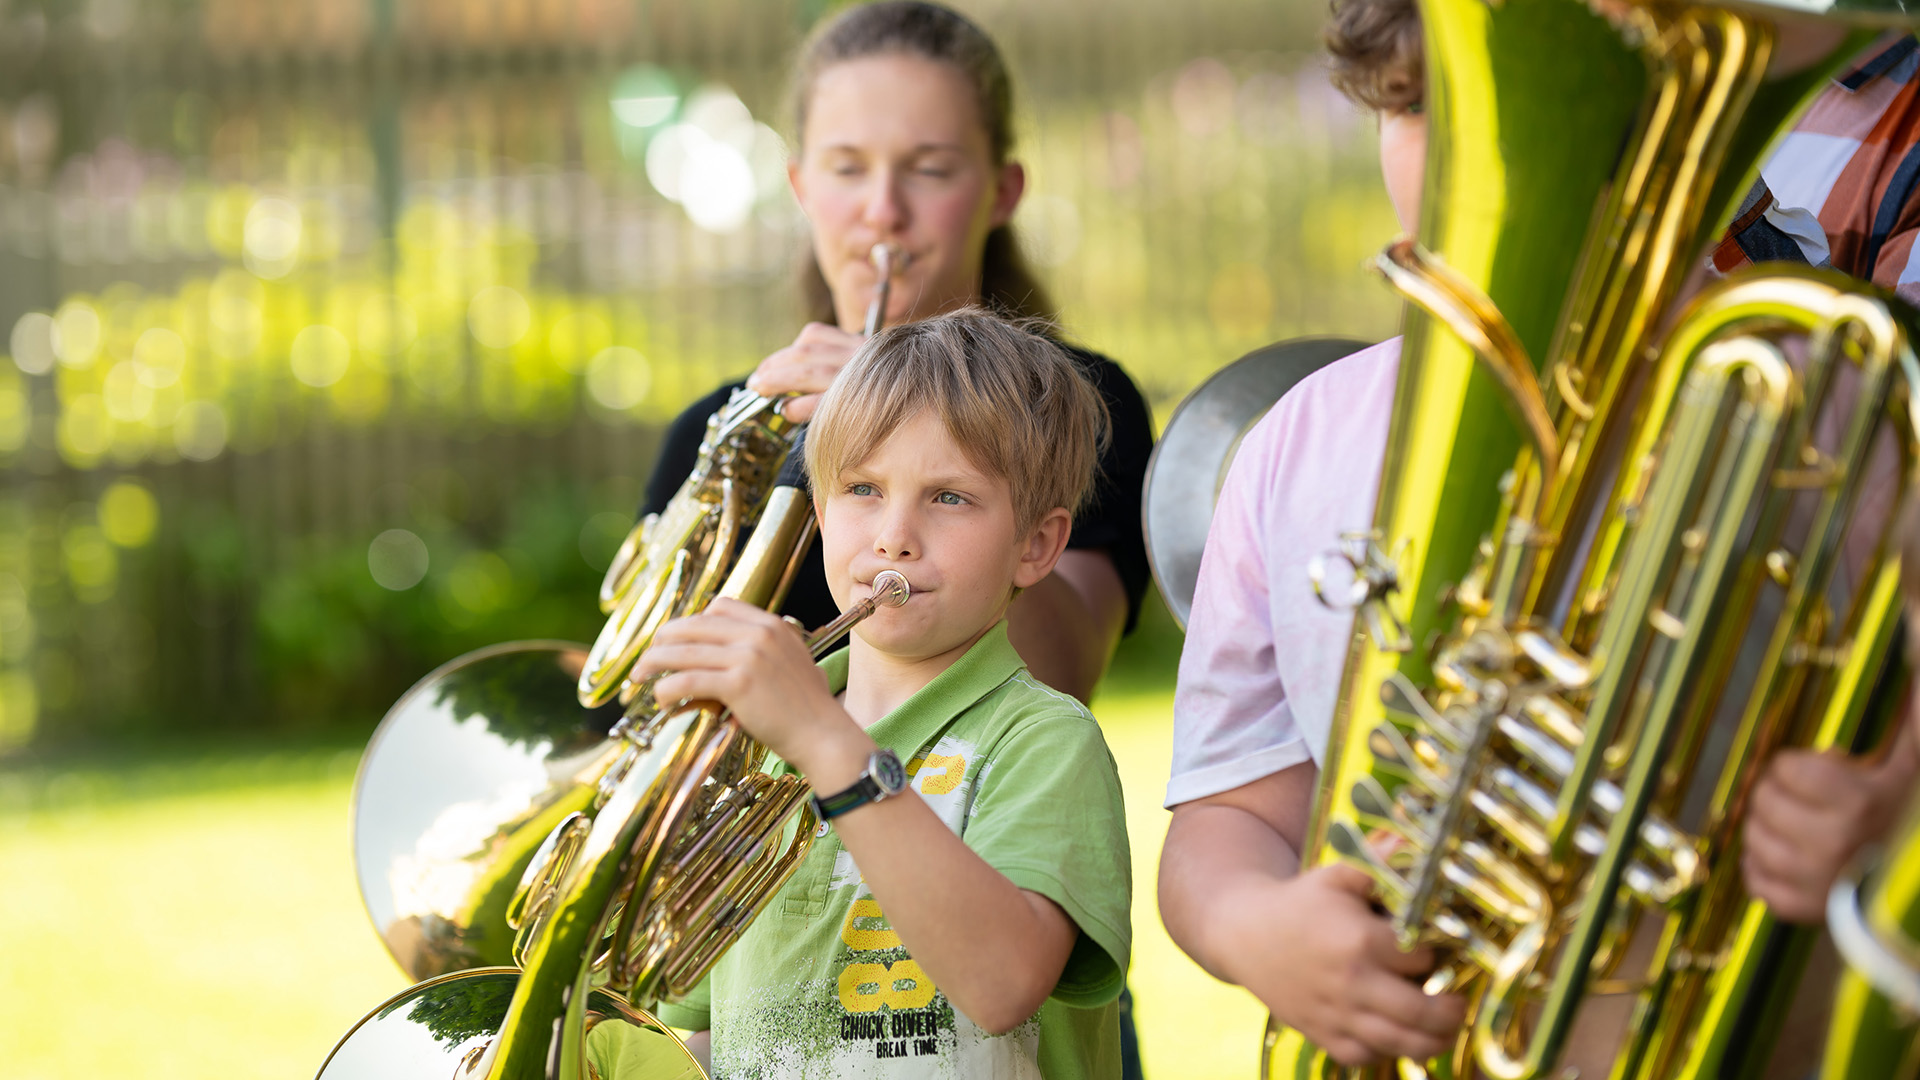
pixel 884 778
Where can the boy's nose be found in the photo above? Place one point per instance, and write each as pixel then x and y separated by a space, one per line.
pixel 896 539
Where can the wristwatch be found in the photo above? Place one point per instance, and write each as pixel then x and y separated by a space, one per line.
pixel 885 777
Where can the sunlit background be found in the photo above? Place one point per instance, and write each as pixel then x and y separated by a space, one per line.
pixel 336 337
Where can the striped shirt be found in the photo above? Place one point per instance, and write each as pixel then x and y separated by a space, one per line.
pixel 1840 188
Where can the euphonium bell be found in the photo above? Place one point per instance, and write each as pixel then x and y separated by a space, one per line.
pixel 1589 502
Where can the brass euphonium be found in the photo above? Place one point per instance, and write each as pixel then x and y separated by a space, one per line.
pixel 1552 717
pixel 550 865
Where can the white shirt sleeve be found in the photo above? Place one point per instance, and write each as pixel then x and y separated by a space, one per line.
pixel 1261 667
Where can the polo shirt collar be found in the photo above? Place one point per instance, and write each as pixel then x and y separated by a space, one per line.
pixel 980 670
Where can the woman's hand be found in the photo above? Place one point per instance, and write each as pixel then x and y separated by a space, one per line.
pixel 1811 812
pixel 757 665
pixel 806 367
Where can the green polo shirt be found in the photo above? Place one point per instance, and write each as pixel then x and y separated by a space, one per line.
pixel 821 986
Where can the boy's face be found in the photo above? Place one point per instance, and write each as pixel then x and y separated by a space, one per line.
pixel 1403 163
pixel 920 506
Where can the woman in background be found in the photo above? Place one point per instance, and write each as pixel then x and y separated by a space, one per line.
pixel 903 124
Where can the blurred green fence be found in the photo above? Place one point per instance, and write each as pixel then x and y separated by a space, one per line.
pixel 338 333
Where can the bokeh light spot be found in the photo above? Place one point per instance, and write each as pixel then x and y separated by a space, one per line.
pixel 33 343
pixel 619 377
pixel 161 356
pixel 77 341
pixel 481 582
pixel 397 559
pixel 644 96
pixel 128 399
pixel 272 238
pixel 92 566
pixel 320 355
pixel 128 513
pixel 499 316
pixel 200 431
pixel 85 430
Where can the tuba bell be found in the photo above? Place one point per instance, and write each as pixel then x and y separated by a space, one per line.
pixel 1618 553
pixel 548 852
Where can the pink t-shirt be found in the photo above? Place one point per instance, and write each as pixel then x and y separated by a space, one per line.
pixel 1261 667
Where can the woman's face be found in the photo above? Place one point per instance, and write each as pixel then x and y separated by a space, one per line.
pixel 895 153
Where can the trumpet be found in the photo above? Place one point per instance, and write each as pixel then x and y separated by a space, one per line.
pixel 526 815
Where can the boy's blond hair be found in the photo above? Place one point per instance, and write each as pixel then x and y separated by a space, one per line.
pixel 1016 403
pixel 1377 53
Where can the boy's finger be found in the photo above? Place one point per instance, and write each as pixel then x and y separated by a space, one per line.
pixel 1437 1015
pixel 1389 1038
pixel 1347 879
pixel 1383 948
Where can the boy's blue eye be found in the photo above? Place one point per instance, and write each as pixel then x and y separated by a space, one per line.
pixel 860 489
pixel 950 499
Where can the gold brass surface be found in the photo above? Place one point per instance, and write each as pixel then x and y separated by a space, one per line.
pixel 1621 551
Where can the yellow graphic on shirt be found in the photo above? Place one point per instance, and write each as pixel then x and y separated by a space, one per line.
pixel 861 939
pixel 953 768
pixel 899 985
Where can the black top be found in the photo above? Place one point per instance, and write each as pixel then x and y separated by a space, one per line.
pixel 1110 522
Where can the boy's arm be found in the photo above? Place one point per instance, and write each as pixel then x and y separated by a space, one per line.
pixel 994 949
pixel 1309 946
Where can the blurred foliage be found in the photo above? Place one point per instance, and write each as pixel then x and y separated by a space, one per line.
pixel 336 335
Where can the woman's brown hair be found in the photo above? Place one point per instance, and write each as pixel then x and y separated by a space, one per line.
pixel 942 35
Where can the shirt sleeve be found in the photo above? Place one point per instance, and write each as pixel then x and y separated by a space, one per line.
pixel 1048 815
pixel 694 1013
pixel 1111 518
pixel 1231 721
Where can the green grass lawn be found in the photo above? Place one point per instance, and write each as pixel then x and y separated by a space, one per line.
pixel 194 916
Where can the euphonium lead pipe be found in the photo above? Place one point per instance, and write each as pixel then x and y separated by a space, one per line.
pixel 890 589
pixel 886 264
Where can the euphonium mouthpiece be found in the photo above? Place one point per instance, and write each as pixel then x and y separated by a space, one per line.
pixel 890 588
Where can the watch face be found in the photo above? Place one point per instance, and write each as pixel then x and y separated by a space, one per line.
pixel 888 772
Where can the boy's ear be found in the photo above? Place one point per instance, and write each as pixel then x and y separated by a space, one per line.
pixel 1042 547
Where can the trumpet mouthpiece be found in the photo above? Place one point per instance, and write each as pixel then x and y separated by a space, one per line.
pixel 890 588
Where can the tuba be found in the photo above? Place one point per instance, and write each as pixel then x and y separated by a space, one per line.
pixel 1622 548
pixel 548 852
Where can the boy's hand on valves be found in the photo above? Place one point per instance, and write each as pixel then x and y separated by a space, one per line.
pixel 807 368
pixel 1317 954
pixel 749 660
